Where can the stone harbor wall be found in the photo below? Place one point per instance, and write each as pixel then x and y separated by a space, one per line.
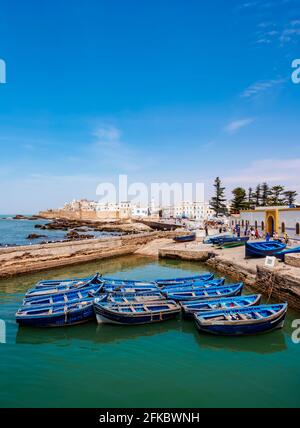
pixel 293 260
pixel 237 271
pixel 280 285
pixel 281 282
pixel 79 215
pixel 32 258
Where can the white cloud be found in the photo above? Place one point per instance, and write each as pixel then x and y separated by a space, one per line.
pixel 108 135
pixel 261 87
pixel 273 171
pixel 236 125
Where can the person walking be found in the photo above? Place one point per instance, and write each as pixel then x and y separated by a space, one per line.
pixel 206 230
pixel 286 238
pixel 268 237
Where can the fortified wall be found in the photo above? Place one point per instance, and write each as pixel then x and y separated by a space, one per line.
pixel 80 215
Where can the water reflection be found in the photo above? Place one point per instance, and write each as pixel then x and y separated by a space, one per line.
pixel 100 334
pixel 276 341
pixel 108 334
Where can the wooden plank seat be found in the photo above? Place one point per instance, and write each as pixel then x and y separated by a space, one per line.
pixel 243 317
pixel 258 315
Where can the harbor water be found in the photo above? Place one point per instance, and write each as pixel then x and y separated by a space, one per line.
pixel 15 232
pixel 165 364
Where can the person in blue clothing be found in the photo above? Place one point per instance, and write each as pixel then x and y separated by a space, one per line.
pixel 268 237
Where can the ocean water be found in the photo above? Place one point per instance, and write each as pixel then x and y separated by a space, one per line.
pixel 166 364
pixel 14 232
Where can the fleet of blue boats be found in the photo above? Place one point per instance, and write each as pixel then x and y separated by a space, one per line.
pixel 216 307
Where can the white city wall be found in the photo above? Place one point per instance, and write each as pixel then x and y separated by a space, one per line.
pixel 290 219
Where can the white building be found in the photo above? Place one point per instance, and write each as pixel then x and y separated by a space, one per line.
pixel 80 205
pixel 279 220
pixel 190 210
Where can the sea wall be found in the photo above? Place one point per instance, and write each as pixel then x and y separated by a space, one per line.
pixel 280 285
pixel 32 258
pixel 237 271
pixel 277 283
pixel 79 215
pixel 281 282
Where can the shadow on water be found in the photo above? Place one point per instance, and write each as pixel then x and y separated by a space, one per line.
pixel 107 334
pixel 100 334
pixel 256 344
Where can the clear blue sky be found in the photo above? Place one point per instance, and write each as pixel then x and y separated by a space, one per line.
pixel 167 90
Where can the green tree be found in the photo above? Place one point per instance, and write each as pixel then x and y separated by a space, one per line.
pixel 257 195
pixel 265 194
pixel 239 201
pixel 217 202
pixel 276 195
pixel 290 197
pixel 250 200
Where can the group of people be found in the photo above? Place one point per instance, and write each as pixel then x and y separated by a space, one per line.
pixel 253 233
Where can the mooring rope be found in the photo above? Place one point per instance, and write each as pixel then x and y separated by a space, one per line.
pixel 271 286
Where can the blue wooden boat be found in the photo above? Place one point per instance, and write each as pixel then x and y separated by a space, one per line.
pixel 281 255
pixel 178 281
pixel 127 288
pixel 61 283
pixel 216 238
pixel 185 238
pixel 221 240
pixel 203 306
pixel 56 316
pixel 66 296
pixel 127 282
pixel 125 298
pixel 263 249
pixel 206 293
pixel 52 283
pixel 193 285
pixel 66 286
pixel 136 313
pixel 242 321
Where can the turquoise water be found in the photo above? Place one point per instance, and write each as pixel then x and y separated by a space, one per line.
pixel 14 232
pixel 167 364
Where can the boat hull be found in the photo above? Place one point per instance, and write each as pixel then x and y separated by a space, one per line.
pixel 197 295
pixel 76 317
pixel 189 310
pixel 243 328
pixel 108 317
pixel 179 281
pixel 263 249
pixel 193 285
pixel 187 238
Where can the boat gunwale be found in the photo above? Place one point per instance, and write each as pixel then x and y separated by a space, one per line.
pixel 176 308
pixel 186 305
pixel 203 322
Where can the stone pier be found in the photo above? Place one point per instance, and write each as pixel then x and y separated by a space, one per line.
pixel 32 258
pixel 281 282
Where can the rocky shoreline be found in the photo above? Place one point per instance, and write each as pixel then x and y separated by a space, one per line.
pixel 77 229
pixel 125 227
